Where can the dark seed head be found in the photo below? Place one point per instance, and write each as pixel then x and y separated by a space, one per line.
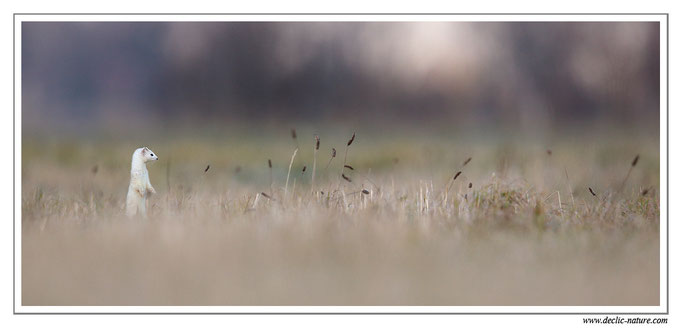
pixel 333 152
pixel 634 161
pixel 293 133
pixel 304 167
pixel 471 184
pixel 549 152
pixel 95 169
pixel 646 191
pixel 345 177
pixel 317 143
pixel 592 192
pixel 467 161
pixel 207 167
pixel 351 139
pixel 349 167
pixel 364 191
pixel 266 195
pixel 457 175
pixel 269 163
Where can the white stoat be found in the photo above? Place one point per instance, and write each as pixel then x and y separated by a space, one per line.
pixel 140 186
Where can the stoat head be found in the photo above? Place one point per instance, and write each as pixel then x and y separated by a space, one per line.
pixel 147 155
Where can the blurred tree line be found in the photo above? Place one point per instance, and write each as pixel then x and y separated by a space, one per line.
pixel 545 73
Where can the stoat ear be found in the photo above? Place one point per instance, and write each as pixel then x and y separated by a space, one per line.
pixel 144 150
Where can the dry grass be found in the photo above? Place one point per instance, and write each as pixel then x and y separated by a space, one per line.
pixel 517 225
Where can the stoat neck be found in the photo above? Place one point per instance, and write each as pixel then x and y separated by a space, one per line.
pixel 138 164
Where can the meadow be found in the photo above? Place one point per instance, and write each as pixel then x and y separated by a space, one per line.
pixel 394 218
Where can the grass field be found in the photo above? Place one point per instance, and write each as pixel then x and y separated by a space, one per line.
pixel 518 226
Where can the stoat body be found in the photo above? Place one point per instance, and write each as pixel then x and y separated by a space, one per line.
pixel 140 187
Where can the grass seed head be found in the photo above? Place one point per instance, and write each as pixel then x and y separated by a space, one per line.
pixel 207 167
pixel 351 139
pixel 293 134
pixel 634 161
pixel 592 192
pixel 470 185
pixel 457 175
pixel 365 191
pixel 269 163
pixel 333 152
pixel 317 142
pixel 467 161
pixel 349 167
pixel 345 177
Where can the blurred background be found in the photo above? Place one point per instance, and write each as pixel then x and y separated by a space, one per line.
pixel 88 77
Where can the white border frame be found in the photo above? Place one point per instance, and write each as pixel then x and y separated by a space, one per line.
pixel 662 308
